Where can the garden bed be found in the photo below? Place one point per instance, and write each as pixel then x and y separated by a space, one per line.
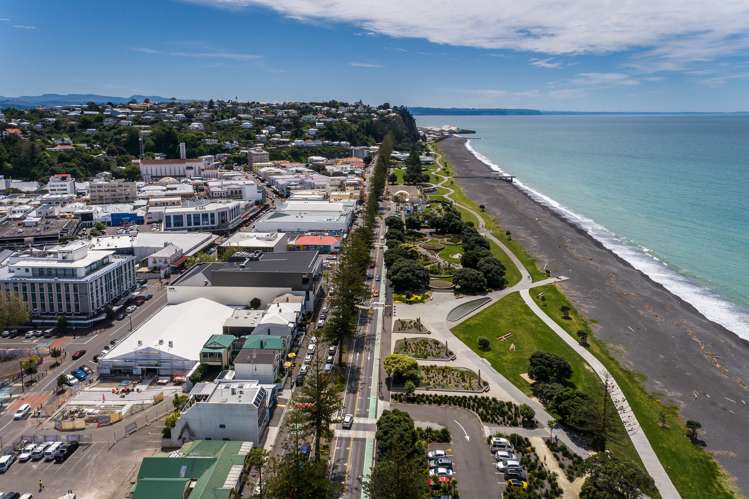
pixel 448 378
pixel 433 245
pixel 571 464
pixel 423 348
pixel 410 326
pixel 488 409
pixel 440 284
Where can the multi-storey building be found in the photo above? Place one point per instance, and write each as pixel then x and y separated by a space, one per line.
pixel 217 216
pixel 113 191
pixel 71 281
pixel 61 183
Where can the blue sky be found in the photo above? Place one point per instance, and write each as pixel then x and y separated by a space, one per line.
pixel 667 55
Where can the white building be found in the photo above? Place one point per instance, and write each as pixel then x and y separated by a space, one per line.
pixel 225 410
pixel 177 168
pixel 61 183
pixel 308 216
pixel 164 258
pixel 280 319
pixel 211 216
pixel 169 343
pixel 240 188
pixel 145 244
pixel 71 281
pixel 272 242
pixel 257 155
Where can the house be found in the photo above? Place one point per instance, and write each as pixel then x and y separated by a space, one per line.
pixel 203 469
pixel 280 319
pixel 217 350
pixel 260 358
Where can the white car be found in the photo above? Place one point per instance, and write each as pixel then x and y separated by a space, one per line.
pixel 25 454
pixel 22 412
pixel 436 453
pixel 131 309
pixel 502 465
pixel 313 340
pixel 308 357
pixel 6 461
pixel 435 472
pixel 311 348
pixel 348 421
pixel 71 380
pixel 501 455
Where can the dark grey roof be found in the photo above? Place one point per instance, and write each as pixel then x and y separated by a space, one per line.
pixel 255 356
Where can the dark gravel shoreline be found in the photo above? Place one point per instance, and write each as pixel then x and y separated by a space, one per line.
pixel 695 363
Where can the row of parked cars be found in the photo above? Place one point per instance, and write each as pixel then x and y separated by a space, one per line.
pixel 29 335
pixel 58 452
pixel 81 373
pixel 441 467
pixel 508 463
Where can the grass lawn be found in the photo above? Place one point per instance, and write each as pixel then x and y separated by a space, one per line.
pixel 530 335
pixel 400 174
pixel 451 253
pixel 693 471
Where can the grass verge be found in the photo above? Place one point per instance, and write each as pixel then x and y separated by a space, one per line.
pixel 693 471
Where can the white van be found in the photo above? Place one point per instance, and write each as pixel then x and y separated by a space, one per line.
pixel 49 452
pixel 38 453
pixel 6 461
pixel 22 412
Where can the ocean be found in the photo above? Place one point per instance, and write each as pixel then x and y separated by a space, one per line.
pixel 667 193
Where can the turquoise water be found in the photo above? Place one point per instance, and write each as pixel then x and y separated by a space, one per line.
pixel 670 194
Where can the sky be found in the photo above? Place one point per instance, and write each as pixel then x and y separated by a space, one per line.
pixel 582 55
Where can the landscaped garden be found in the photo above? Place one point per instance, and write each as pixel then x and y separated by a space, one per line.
pixel 423 348
pixel 570 463
pixel 410 326
pixel 450 378
pixel 489 409
pixel 541 481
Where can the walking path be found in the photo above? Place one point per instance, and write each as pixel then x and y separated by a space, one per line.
pixel 636 433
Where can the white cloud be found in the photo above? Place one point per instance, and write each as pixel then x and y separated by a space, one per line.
pixel 232 56
pixel 720 80
pixel 546 63
pixel 365 65
pixel 23 26
pixel 604 79
pixel 672 32
pixel 4 19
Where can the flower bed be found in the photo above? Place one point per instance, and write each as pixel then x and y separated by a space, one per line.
pixel 410 298
pixel 410 326
pixel 572 464
pixel 450 378
pixel 488 409
pixel 423 348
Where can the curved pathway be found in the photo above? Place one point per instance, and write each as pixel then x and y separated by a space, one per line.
pixel 636 433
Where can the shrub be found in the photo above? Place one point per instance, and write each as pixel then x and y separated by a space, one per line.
pixel 484 343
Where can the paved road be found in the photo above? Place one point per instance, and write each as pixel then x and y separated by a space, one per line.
pixel 93 343
pixel 474 465
pixel 636 433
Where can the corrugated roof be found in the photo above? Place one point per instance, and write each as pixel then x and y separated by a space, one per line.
pixel 263 342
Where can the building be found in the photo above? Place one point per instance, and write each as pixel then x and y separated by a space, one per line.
pixel 71 281
pixel 37 232
pixel 308 216
pixel 145 244
pixel 169 343
pixel 271 242
pixel 112 191
pixel 203 469
pixel 217 350
pixel 258 364
pixel 264 276
pixel 257 155
pixel 167 257
pixel 323 244
pixel 280 319
pixel 151 169
pixel 240 188
pixel 225 409
pixel 216 216
pixel 61 183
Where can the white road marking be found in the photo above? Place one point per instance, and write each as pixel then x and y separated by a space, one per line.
pixel 464 430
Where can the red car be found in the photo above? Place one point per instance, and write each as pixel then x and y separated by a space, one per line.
pixel 77 355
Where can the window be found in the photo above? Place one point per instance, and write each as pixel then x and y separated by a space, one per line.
pixel 222 426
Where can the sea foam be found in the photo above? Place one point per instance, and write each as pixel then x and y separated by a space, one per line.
pixel 706 301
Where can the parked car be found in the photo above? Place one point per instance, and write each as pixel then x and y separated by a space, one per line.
pixel 5 334
pixel 49 452
pixel 78 354
pixel 331 349
pixel 441 462
pixel 303 369
pixel 6 461
pixel 71 380
pixel 38 333
pixel 148 296
pixel 348 421
pixel 320 323
pixel 328 368
pixel 514 472
pixel 514 483
pixel 433 454
pixel 65 451
pixel 96 359
pixel 29 335
pixel 504 464
pixel 38 453
pixel 311 347
pixel 25 453
pixel 86 370
pixel 502 455
pixel 313 339
pixel 308 357
pixel 79 374
pixel 329 359
pixel 500 443
pixel 440 472
pixel 130 309
pixel 22 412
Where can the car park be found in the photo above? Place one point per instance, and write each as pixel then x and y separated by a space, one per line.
pixel 78 354
pixel 25 454
pixel 348 421
pixel 65 451
pixel 22 412
pixel 6 461
pixel 433 454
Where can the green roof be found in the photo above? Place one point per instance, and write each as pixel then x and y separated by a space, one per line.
pixel 214 466
pixel 264 342
pixel 219 342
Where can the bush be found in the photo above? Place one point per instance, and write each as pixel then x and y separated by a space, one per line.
pixel 548 368
pixel 484 343
pixel 401 368
pixel 470 281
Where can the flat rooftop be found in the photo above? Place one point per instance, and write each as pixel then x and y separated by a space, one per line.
pixel 254 239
